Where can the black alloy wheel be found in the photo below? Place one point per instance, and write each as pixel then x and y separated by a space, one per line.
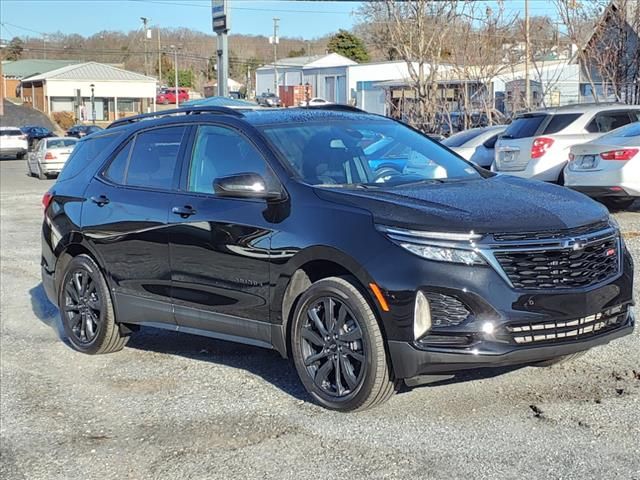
pixel 82 306
pixel 338 348
pixel 333 348
pixel 86 308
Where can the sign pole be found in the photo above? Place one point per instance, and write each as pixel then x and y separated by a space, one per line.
pixel 220 22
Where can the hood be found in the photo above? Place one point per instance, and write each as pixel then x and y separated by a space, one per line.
pixel 498 204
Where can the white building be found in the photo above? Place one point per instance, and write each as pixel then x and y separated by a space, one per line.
pixel 117 93
pixel 327 75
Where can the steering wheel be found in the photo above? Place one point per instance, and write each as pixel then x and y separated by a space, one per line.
pixel 384 174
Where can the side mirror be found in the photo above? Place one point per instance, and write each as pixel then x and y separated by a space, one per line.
pixel 245 185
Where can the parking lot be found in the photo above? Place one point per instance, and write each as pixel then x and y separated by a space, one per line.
pixel 178 406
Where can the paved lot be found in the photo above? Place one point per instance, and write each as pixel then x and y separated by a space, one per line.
pixel 177 406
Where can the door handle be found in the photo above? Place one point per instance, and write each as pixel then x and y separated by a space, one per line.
pixel 184 212
pixel 101 200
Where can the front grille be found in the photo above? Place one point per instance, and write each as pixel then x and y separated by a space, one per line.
pixel 557 331
pixel 446 310
pixel 561 268
pixel 550 234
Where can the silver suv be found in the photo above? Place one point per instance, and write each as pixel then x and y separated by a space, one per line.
pixel 536 145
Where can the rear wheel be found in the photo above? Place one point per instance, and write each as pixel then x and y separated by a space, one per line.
pixel 86 309
pixel 338 348
pixel 618 203
pixel 20 156
pixel 41 174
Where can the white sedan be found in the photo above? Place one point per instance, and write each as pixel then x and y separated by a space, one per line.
pixel 476 144
pixel 607 168
pixel 49 156
pixel 315 102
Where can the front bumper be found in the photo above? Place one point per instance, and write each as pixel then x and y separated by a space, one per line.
pixel 409 361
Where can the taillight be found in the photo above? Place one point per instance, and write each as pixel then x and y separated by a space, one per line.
pixel 50 156
pixel 46 199
pixel 622 154
pixel 540 146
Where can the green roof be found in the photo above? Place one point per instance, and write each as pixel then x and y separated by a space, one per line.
pixel 30 67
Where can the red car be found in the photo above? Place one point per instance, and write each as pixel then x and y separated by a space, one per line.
pixel 168 95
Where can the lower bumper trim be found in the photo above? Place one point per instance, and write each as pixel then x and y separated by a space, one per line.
pixel 409 361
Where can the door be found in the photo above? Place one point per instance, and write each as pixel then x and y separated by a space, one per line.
pixel 220 246
pixel 125 219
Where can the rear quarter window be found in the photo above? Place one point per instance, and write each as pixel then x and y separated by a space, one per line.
pixel 524 127
pixel 85 153
pixel 560 122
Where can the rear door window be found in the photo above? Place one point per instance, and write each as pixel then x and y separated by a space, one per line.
pixel 524 127
pixel 154 158
pixel 606 121
pixel 560 122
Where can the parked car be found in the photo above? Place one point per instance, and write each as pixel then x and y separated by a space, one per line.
pixel 314 102
pixel 80 131
pixel 607 168
pixel 269 227
pixel 13 142
pixel 35 133
pixel 168 95
pixel 49 156
pixel 268 99
pixel 476 144
pixel 536 145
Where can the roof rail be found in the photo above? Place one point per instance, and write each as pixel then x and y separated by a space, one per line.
pixel 177 111
pixel 336 107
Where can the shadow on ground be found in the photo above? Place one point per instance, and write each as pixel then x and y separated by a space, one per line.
pixel 267 364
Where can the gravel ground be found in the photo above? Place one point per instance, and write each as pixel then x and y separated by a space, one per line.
pixel 180 406
pixel 18 115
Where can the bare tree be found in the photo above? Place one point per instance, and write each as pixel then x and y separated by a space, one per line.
pixel 417 31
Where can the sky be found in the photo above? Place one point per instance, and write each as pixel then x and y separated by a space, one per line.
pixel 298 18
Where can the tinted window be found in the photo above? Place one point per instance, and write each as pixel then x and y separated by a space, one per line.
pixel 10 132
pixel 154 158
pixel 607 121
pixel 560 122
pixel 117 167
pixel 332 154
pixel 84 154
pixel 61 142
pixel 491 143
pixel 524 127
pixel 461 138
pixel 220 152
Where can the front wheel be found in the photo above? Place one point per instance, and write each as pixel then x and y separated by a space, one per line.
pixel 86 309
pixel 338 348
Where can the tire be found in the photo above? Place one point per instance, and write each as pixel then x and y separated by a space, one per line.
pixel 86 309
pixel 555 361
pixel 41 174
pixel 365 379
pixel 20 156
pixel 618 203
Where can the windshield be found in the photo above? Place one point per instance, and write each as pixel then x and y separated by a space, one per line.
pixel 461 138
pixel 523 127
pixel 372 153
pixel 61 142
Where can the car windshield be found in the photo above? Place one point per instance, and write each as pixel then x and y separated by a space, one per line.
pixel 372 153
pixel 461 138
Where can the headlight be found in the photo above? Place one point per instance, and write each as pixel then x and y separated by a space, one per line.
pixel 442 254
pixel 614 223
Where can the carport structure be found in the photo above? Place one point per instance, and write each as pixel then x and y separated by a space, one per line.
pixel 116 93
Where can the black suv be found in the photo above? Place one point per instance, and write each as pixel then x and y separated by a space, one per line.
pixel 270 227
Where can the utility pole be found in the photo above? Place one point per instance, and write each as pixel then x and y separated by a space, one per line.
pixel 274 40
pixel 527 41
pixel 146 35
pixel 44 45
pixel 159 59
pixel 175 68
